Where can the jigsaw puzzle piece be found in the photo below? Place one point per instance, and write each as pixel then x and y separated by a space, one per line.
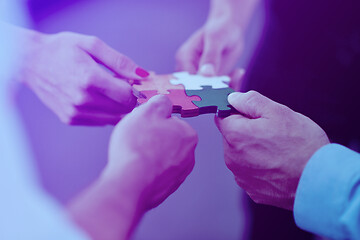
pixel 182 103
pixel 146 95
pixel 195 82
pixel 213 100
pixel 159 83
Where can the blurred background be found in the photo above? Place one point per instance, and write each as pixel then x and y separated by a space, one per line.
pixel 209 205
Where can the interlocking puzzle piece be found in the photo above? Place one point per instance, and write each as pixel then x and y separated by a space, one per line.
pixel 213 100
pixel 195 82
pixel 182 103
pixel 159 83
pixel 193 94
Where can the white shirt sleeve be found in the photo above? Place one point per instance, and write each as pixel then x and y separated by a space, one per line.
pixel 26 211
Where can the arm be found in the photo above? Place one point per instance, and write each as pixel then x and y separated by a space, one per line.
pixel 215 48
pixel 73 75
pixel 150 155
pixel 111 208
pixel 327 200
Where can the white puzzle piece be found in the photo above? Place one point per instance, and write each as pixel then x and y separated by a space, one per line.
pixel 194 82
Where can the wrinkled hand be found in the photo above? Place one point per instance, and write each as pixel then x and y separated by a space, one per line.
pixel 212 50
pixel 155 147
pixel 65 73
pixel 268 147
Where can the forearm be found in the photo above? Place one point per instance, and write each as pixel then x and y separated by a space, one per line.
pixel 109 210
pixel 239 11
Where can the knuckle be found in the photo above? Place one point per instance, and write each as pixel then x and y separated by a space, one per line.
pixel 121 62
pixel 70 116
pixel 90 81
pixel 79 100
pixel 283 110
pixel 256 199
pixel 252 97
pixel 65 34
pixel 93 42
pixel 232 137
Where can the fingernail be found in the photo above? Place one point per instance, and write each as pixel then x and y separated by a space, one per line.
pixel 233 97
pixel 207 69
pixel 141 72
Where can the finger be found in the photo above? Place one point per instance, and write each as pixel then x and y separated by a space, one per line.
pixel 231 122
pixel 157 106
pixel 252 104
pixel 116 90
pixel 207 70
pixel 94 119
pixel 99 103
pixel 232 126
pixel 188 131
pixel 115 61
pixel 237 77
pixel 211 55
pixel 187 57
pixel 229 58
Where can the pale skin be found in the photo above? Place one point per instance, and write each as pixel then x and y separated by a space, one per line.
pixel 150 155
pixel 67 71
pixel 267 147
pixel 215 48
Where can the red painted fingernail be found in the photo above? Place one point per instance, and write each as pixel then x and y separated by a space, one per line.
pixel 141 72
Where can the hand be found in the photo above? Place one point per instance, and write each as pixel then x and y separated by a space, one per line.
pixel 150 155
pixel 214 49
pixel 64 71
pixel 267 147
pixel 154 146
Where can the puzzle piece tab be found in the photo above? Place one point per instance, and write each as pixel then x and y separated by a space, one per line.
pixel 195 82
pixel 213 100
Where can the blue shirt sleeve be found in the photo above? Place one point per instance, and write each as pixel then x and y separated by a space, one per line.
pixel 327 200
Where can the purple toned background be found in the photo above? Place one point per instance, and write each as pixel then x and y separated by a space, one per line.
pixel 209 205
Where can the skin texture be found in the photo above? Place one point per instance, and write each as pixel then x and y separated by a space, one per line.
pixel 150 155
pixel 215 48
pixel 81 79
pixel 267 147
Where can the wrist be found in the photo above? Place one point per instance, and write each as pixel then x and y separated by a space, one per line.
pixel 28 45
pixel 235 11
pixel 111 207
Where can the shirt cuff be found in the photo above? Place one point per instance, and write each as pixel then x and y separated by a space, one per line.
pixel 324 190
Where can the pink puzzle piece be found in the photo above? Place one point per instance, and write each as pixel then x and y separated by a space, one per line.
pixel 159 83
pixel 181 102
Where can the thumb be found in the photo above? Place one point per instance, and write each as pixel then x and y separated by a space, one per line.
pixel 115 61
pixel 157 106
pixel 252 104
pixel 209 63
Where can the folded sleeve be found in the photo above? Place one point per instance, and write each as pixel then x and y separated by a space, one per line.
pixel 327 200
